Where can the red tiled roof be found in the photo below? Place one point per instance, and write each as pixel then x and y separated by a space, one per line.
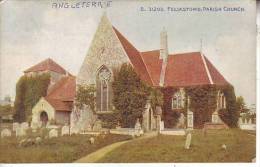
pixel 186 69
pixel 135 57
pixel 153 64
pixel 46 65
pixel 61 95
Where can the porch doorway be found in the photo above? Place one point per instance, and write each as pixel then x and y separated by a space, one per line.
pixel 44 118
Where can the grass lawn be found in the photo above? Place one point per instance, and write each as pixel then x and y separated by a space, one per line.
pixel 241 147
pixel 61 149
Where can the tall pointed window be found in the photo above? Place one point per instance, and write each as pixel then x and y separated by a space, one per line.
pixel 177 100
pixel 103 89
pixel 221 100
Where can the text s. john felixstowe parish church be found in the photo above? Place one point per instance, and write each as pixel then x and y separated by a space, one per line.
pixel 158 68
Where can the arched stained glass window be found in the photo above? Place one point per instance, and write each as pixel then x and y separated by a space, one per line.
pixel 103 89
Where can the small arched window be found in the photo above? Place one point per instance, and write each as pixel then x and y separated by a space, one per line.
pixel 103 89
pixel 177 100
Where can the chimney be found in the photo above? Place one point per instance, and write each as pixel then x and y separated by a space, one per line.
pixel 163 55
pixel 164 45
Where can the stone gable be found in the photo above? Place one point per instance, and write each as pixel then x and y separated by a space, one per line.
pixel 105 49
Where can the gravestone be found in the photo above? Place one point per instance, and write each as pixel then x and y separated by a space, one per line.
pixel 190 120
pixel 188 141
pixel 74 130
pixel 92 140
pixel 240 121
pixel 20 132
pixel 97 126
pixel 65 130
pixel 6 133
pixel 138 127
pixel 53 133
pixel 250 121
pixel 25 125
pixel 38 140
pixel 224 146
pixel 161 125
pixel 15 126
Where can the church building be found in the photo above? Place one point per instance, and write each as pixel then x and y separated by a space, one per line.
pixel 158 68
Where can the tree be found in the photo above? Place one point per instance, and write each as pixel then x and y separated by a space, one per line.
pixel 241 106
pixel 86 95
pixel 130 95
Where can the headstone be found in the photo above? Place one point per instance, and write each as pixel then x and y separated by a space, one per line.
pixel 20 132
pixel 250 121
pixel 25 125
pixel 74 130
pixel 65 130
pixel 6 133
pixel 245 121
pixel 190 119
pixel 92 140
pixel 188 141
pixel 240 121
pixel 53 133
pixel 161 125
pixel 97 126
pixel 224 147
pixel 38 140
pixel 15 126
pixel 138 128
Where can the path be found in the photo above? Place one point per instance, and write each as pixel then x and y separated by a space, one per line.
pixel 95 156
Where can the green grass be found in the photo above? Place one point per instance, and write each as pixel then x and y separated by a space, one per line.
pixel 61 149
pixel 241 147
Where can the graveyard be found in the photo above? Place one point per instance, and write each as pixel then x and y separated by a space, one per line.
pixel 35 148
pixel 230 145
pixel 57 145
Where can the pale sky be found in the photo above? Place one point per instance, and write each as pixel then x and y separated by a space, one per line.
pixel 31 31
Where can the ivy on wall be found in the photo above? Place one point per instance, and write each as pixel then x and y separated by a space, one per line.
pixel 230 115
pixel 202 103
pixel 28 92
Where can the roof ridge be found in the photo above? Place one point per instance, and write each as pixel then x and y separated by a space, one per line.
pixel 206 68
pixel 139 53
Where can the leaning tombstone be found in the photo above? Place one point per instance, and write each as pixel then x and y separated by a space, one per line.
pixel 53 133
pixel 65 130
pixel 188 141
pixel 15 126
pixel 6 133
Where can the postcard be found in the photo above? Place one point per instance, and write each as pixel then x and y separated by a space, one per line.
pixel 109 81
